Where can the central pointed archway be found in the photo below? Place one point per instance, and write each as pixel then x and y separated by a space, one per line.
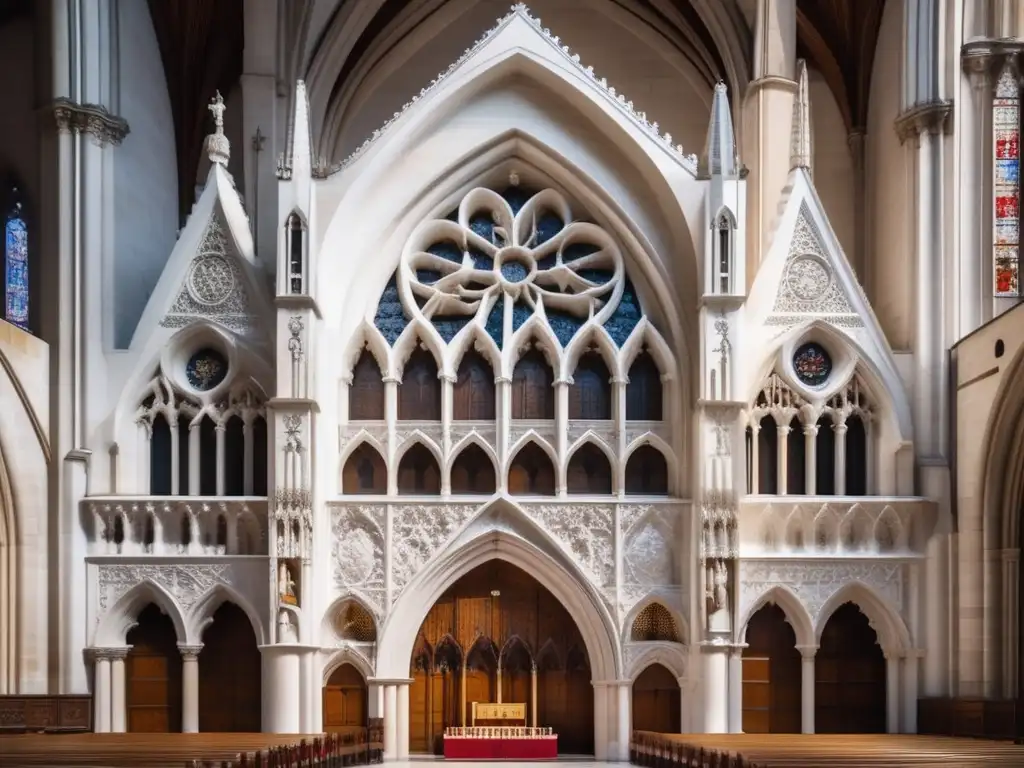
pixel 481 642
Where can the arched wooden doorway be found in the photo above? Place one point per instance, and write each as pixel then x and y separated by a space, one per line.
pixel 497 612
pixel 656 702
pixel 345 701
pixel 849 676
pixel 771 674
pixel 230 674
pixel 153 685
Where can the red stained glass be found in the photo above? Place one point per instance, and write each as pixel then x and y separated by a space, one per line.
pixel 1006 278
pixel 1008 145
pixel 1007 206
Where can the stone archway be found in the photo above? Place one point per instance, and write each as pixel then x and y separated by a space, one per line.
pixel 481 641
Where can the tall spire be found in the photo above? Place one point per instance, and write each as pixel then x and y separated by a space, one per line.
pixel 719 157
pixel 217 145
pixel 800 139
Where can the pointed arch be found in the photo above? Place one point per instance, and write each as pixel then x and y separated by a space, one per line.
pixel 646 471
pixel 651 620
pixel 893 635
pixel 417 437
pixel 202 613
pixel 349 612
pixel 474 394
pixel 590 468
pixel 474 337
pixel 364 470
pixel 654 441
pixel 474 469
pixel 645 335
pixel 473 438
pixel 796 614
pixel 559 575
pixel 417 335
pixel 342 656
pixel 532 468
pixel 591 337
pixel 366 337
pixel 419 470
pixel 123 615
pixel 367 396
pixel 534 334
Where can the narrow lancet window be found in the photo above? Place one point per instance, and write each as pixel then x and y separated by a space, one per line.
pixel 724 228
pixel 16 263
pixel 1006 224
pixel 296 273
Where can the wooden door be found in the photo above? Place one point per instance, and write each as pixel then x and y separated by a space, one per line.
pixel 656 701
pixel 153 672
pixel 849 676
pixel 230 675
pixel 345 700
pixel 771 674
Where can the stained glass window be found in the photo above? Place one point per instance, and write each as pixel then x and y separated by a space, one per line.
pixel 1006 183
pixel 812 364
pixel 16 266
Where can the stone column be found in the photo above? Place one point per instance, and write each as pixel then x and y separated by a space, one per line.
pixel 220 432
pixel 716 685
pixel 561 433
pixel 600 721
pixel 624 720
pixel 390 722
pixel 190 687
pixel 840 431
pixel 735 690
pixel 892 693
pixel 402 721
pixel 118 691
pixel 195 460
pixel 503 393
pixel 101 670
pixel 533 695
pixel 808 653
pixel 391 416
pixel 755 482
pixel 282 689
pixel 782 438
pixel 810 459
pixel 910 666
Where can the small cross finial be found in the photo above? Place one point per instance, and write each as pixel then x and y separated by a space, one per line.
pixel 216 107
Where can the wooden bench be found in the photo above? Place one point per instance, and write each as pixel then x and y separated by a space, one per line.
pixel 45 714
pixel 818 751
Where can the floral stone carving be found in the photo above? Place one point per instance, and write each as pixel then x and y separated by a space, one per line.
pixel 584 531
pixel 419 531
pixel 185 583
pixel 358 535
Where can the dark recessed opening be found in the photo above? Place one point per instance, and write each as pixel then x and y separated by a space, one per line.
pixel 1000 348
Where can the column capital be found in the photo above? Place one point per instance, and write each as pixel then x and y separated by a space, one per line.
pixel 390 680
pixel 108 654
pixel 189 652
pixel 93 119
pixel 808 651
pixel 933 117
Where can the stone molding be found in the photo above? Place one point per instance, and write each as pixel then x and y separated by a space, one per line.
pixel 933 117
pixel 93 119
pixel 110 653
pixel 189 651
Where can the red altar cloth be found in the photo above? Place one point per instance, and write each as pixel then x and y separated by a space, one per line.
pixel 545 748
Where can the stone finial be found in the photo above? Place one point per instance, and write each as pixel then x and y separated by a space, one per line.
pixel 217 145
pixel 800 137
pixel 719 157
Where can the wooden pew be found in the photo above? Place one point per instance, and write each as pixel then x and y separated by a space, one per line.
pixel 818 751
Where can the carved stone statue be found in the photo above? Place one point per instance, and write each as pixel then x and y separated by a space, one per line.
pixel 285 582
pixel 721 594
pixel 286 632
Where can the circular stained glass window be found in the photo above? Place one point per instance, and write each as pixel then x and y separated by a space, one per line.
pixel 206 369
pixel 812 364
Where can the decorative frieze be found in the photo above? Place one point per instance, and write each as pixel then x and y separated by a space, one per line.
pixel 185 583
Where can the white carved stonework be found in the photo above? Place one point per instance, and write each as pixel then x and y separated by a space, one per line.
pixel 815 582
pixel 185 583
pixel 419 531
pixel 413 431
pixel 486 431
pixel 603 430
pixel 544 429
pixel 629 514
pixel 214 287
pixel 584 531
pixel 378 430
pixel 809 286
pixel 357 531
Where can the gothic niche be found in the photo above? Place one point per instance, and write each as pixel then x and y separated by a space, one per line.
pixel 654 624
pixel 780 420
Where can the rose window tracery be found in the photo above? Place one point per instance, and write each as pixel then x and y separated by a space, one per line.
pixel 499 259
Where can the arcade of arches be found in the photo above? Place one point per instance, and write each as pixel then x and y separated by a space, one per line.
pixel 846 673
pixel 159 694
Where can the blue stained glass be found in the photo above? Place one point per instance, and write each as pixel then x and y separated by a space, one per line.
pixel 495 324
pixel 578 251
pixel 483 225
pixel 563 324
pixel 449 326
pixel 516 198
pixel 548 225
pixel 390 320
pixel 599 276
pixel 514 272
pixel 547 262
pixel 625 317
pixel 16 272
pixel 521 312
pixel 428 276
pixel 1007 170
pixel 447 249
pixel 812 364
pixel 206 369
pixel 481 260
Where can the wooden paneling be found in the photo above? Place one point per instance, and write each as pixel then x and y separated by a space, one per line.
pixel 656 701
pixel 531 472
pixel 647 472
pixel 418 472
pixel 419 394
pixel 345 700
pixel 230 674
pixel 590 395
pixel 771 674
pixel 849 676
pixel 366 395
pixel 473 396
pixel 643 392
pixel 471 626
pixel 364 472
pixel 472 472
pixel 153 674
pixel 533 392
pixel 974 718
pixel 589 471
pixel 49 714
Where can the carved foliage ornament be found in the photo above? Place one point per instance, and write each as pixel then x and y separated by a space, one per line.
pixel 185 583
pixel 91 119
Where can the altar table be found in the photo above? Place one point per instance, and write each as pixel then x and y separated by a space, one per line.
pixel 468 748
